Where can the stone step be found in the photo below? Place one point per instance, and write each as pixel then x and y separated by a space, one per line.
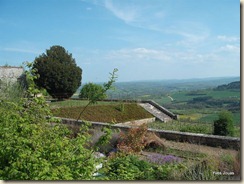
pixel 155 112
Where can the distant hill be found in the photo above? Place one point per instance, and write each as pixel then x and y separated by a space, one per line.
pixel 232 85
pixel 136 89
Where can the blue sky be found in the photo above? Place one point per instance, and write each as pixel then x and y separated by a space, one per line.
pixel 144 39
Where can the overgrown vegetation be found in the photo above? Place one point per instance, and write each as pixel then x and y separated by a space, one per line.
pixel 132 167
pixel 11 91
pixel 104 113
pixel 36 146
pixel 32 149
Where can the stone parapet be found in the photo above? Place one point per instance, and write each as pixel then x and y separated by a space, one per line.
pixel 201 139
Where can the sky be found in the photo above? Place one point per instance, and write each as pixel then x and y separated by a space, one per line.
pixel 143 39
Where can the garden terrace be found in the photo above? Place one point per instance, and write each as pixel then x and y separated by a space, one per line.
pixel 111 112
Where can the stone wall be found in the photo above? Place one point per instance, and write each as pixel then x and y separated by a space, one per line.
pixel 201 139
pixel 10 74
pixel 138 122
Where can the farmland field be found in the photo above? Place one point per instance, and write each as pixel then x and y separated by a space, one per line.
pixel 196 102
pixel 208 104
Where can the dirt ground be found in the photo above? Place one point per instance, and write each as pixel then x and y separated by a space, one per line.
pixel 211 151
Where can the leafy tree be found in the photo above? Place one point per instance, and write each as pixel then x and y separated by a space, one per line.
pixel 58 72
pixel 32 149
pixel 90 90
pixel 106 86
pixel 224 125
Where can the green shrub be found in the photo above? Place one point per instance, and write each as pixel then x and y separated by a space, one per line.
pixel 121 107
pixel 224 125
pixel 132 167
pixel 195 129
pixel 91 90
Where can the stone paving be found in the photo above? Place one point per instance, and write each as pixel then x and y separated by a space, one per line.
pixel 155 112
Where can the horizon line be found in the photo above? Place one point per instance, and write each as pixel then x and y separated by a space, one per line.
pixel 172 79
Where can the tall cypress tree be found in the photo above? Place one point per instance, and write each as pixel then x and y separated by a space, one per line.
pixel 58 72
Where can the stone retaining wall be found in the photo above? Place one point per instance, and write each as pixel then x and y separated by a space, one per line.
pixel 202 139
pixel 138 122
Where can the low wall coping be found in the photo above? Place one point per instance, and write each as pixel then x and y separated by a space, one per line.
pixel 203 139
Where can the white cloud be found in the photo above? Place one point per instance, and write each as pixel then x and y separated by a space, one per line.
pixel 159 14
pixel 230 48
pixel 32 51
pixel 228 38
pixel 191 33
pixel 141 14
pixel 126 13
pixel 134 62
pixel 139 54
pixel 191 39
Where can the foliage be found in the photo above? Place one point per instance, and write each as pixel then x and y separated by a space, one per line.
pixel 105 138
pixel 195 128
pixel 132 167
pixel 133 140
pixel 90 90
pixel 232 85
pixel 224 125
pixel 97 96
pixel 32 149
pixel 179 153
pixel 121 107
pixel 201 171
pixel 58 72
pixel 162 159
pixel 183 126
pixel 11 91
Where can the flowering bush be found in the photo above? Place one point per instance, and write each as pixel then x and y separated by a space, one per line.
pixel 163 159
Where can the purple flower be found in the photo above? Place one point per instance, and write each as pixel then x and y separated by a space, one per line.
pixel 162 159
